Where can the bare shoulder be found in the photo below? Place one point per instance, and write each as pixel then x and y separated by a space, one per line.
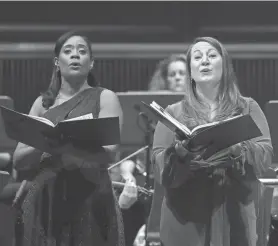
pixel 37 108
pixel 108 97
pixel 108 94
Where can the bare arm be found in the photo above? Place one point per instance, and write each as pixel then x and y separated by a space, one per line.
pixel 110 107
pixel 25 157
pixel 129 195
pixel 127 169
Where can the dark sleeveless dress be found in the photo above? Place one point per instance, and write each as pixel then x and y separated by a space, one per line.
pixel 64 207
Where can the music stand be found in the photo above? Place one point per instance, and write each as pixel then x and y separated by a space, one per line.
pixel 137 127
pixel 6 144
pixel 132 134
pixel 271 113
pixel 272 183
pixel 7 215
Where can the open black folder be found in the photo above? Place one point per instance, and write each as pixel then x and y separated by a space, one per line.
pixel 32 130
pixel 216 135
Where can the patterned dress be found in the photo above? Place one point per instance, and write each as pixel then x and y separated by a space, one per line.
pixel 70 206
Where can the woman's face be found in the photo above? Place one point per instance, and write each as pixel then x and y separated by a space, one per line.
pixel 74 58
pixel 206 63
pixel 176 76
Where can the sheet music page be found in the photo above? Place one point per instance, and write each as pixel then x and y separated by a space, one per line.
pixel 214 123
pixel 170 117
pixel 82 117
pixel 41 119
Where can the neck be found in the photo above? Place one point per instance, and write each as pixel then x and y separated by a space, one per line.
pixel 207 92
pixel 70 88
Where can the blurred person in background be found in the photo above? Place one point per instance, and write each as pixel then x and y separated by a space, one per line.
pixel 170 74
pixel 169 77
pixel 131 201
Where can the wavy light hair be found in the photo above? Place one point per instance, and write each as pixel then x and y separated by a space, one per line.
pixel 229 98
pixel 159 78
pixel 48 97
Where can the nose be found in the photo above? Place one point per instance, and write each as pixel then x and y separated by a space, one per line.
pixel 75 54
pixel 178 78
pixel 205 60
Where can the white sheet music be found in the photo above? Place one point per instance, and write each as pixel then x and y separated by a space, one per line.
pixel 82 117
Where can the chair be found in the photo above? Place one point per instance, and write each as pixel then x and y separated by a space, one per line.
pixel 7 215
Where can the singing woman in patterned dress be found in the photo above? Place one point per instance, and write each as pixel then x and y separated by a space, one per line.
pixel 70 201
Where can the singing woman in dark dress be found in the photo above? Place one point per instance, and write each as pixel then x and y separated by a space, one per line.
pixel 71 201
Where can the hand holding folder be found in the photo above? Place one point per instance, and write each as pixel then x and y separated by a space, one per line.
pixel 215 136
pixel 35 131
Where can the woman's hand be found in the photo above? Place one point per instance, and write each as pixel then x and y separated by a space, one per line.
pixel 26 157
pixel 233 152
pixel 182 149
pixel 129 194
pixel 64 151
pixel 236 150
pixel 58 145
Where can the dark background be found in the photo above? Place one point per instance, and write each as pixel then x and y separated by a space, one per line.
pixel 182 20
pixel 25 73
pixel 240 23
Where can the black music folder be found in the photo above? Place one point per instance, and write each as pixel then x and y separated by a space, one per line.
pixel 216 135
pixel 32 130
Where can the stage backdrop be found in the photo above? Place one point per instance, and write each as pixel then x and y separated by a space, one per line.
pixel 25 68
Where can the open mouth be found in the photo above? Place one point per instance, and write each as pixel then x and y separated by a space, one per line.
pixel 206 70
pixel 75 64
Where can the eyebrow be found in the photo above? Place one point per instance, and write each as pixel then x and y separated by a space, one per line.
pixel 70 45
pixel 211 49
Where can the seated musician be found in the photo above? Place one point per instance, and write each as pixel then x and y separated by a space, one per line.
pixel 170 75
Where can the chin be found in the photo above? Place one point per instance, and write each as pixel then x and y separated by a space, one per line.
pixel 76 74
pixel 205 80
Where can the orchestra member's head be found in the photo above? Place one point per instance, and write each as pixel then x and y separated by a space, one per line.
pixel 209 70
pixel 170 74
pixel 73 64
